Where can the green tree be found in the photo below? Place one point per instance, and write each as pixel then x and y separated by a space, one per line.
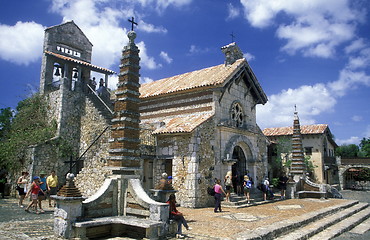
pixel 6 116
pixel 351 150
pixel 365 147
pixel 30 126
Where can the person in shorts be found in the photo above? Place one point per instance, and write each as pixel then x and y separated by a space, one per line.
pixel 43 186
pixel 52 185
pixel 34 191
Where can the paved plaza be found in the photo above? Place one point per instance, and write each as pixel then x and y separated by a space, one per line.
pixel 15 223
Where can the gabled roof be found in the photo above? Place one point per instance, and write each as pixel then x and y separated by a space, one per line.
pixel 69 23
pixel 305 129
pixel 216 76
pixel 79 62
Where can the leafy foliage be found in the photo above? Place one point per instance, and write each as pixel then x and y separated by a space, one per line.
pixel 30 126
pixel 351 150
pixel 365 147
pixel 6 116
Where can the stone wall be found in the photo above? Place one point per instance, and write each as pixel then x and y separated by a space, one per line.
pixel 92 176
pixel 193 158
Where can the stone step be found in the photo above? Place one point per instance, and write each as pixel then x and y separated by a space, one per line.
pixel 343 226
pixel 289 225
pixel 319 225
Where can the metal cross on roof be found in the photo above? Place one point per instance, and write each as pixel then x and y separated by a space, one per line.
pixel 232 36
pixel 132 23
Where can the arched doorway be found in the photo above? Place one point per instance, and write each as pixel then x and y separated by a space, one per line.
pixel 239 168
pixel 357 178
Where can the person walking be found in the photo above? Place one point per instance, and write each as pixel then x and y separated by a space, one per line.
pixel 282 184
pixel 247 185
pixel 228 184
pixel 43 186
pixel 22 183
pixel 218 191
pixel 34 191
pixel 177 216
pixel 52 185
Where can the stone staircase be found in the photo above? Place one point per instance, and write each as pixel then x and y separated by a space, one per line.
pixel 326 223
pixel 102 109
pixel 241 201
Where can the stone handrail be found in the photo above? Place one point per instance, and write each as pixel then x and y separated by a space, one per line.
pixel 158 211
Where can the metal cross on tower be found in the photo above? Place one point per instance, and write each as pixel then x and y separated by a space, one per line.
pixel 132 23
pixel 232 36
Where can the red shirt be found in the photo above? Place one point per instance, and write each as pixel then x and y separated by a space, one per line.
pixel 35 188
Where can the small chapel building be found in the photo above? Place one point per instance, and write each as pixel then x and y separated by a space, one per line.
pixel 204 123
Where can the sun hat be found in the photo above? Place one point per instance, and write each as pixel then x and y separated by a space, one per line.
pixel 42 172
pixel 170 177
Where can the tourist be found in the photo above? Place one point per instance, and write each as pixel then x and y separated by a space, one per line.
pixel 228 185
pixel 22 187
pixel 177 216
pixel 43 186
pixel 218 191
pixel 247 184
pixel 282 183
pixel 93 84
pixel 52 185
pixel 34 190
pixel 267 193
pixel 101 87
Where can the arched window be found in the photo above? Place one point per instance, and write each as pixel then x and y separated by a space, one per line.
pixel 237 115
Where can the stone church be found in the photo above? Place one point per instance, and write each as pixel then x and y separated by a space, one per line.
pixel 194 126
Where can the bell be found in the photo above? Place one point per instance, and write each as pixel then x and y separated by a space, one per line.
pixel 57 71
pixel 75 73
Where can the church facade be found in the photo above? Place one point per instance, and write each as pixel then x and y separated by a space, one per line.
pixel 204 123
pixel 195 126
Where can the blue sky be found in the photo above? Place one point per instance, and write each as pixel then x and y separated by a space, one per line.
pixel 312 53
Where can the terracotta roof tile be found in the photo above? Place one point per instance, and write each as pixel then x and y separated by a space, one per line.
pixel 211 76
pixel 305 129
pixel 80 62
pixel 182 124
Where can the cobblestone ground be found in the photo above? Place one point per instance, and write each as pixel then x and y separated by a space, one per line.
pixel 16 224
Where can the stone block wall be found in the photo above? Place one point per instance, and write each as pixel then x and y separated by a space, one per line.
pixel 92 176
pixel 193 158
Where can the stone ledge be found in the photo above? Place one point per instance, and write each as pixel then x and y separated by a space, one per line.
pixel 126 220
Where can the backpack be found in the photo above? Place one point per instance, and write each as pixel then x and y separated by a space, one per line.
pixel 228 181
pixel 211 191
pixel 248 184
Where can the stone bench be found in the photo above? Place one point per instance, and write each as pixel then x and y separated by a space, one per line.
pixel 117 226
pixel 311 194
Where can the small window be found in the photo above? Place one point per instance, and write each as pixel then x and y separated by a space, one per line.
pixel 308 150
pixel 237 114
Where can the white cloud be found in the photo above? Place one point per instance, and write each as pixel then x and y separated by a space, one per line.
pixel 355 45
pixel 194 50
pixel 357 118
pixel 348 80
pixel 351 140
pixel 21 43
pixel 314 28
pixel 233 12
pixel 150 28
pixel 161 5
pixel 145 80
pixel 147 61
pixel 165 57
pixel 249 57
pixel 310 100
